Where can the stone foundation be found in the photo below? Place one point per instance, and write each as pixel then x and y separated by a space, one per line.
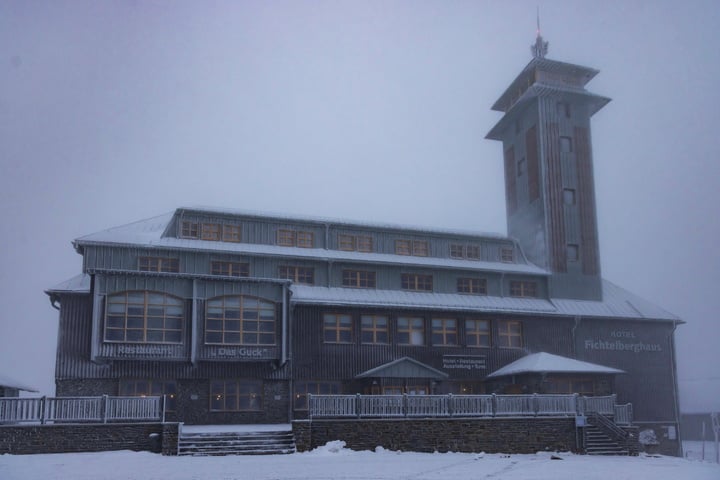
pixel 491 435
pixel 27 439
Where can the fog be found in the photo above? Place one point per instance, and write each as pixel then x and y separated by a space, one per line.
pixel 115 111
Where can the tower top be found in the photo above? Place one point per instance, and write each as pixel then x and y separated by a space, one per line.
pixel 540 48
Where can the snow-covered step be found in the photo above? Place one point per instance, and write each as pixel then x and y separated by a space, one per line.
pixel 236 443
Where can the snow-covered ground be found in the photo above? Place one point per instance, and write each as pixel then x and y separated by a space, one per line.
pixel 333 462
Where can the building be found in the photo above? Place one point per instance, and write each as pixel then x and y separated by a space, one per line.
pixel 238 316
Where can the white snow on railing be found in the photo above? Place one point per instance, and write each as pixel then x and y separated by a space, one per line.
pixel 80 409
pixel 334 406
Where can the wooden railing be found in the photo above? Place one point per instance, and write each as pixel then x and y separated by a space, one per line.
pixel 387 406
pixel 81 409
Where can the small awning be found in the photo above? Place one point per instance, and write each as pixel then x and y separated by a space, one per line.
pixel 404 367
pixel 548 363
pixel 8 382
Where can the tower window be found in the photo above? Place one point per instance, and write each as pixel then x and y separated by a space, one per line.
pixel 569 196
pixel 573 252
pixel 563 109
pixel 566 144
pixel 521 167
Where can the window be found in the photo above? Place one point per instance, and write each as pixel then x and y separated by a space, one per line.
pixel 457 251
pixel 235 396
pixel 573 252
pixel 358 278
pixel 305 239
pixel 364 243
pixel 239 320
pixel 410 331
pixel 474 286
pixel 415 281
pixel 569 196
pixel 403 247
pixel 158 264
pixel 418 248
pixel 507 254
pixel 190 230
pixel 292 238
pixel 210 231
pixel 346 242
pixel 509 334
pixel 337 328
pixel 563 109
pixel 286 238
pixel 230 269
pixel 231 233
pixel 374 329
pixel 444 331
pixel 143 317
pixel 303 275
pixel 473 252
pixel 477 333
pixel 521 167
pixel 523 289
pixel 302 389
pixel 361 243
pixel 566 144
pixel 151 388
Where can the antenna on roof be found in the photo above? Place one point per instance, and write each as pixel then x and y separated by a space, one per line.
pixel 540 48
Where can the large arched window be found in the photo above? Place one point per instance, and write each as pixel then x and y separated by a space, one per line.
pixel 143 317
pixel 239 320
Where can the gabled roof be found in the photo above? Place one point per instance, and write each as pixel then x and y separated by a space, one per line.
pixel 148 233
pixel 404 367
pixel 548 363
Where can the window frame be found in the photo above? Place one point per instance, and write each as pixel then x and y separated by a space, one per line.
pixel 444 328
pixel 297 273
pixel 189 229
pixel 374 329
pixel 229 269
pixel 416 282
pixel 147 263
pixel 129 317
pixel 507 254
pixel 338 328
pixel 253 394
pixel 302 389
pixel 477 333
pixel 413 325
pixel 523 289
pixel 211 231
pixel 264 337
pixel 472 286
pixel 506 335
pixel 359 278
pixel 128 387
pixel 231 233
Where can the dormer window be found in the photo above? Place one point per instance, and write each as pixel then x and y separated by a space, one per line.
pixel 293 238
pixel 418 248
pixel 158 264
pixel 507 255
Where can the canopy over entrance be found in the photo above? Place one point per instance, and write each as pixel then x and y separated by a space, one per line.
pixel 404 367
pixel 548 363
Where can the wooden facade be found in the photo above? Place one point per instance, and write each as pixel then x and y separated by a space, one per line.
pixel 238 317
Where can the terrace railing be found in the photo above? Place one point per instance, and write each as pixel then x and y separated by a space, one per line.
pixel 81 409
pixel 387 406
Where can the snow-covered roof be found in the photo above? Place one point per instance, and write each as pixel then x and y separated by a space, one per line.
pixel 148 233
pixel 283 217
pixel 548 363
pixel 305 294
pixel 77 284
pixel 616 303
pixel 405 367
pixel 6 381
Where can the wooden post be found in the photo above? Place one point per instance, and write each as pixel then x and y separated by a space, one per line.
pixel 42 410
pixel 104 407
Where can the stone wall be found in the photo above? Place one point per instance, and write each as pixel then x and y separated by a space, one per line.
pixel 491 435
pixel 27 439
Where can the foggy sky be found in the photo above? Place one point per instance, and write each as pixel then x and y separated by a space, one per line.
pixel 115 111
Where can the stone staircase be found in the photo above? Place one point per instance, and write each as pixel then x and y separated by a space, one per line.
pixel 236 443
pixel 597 442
